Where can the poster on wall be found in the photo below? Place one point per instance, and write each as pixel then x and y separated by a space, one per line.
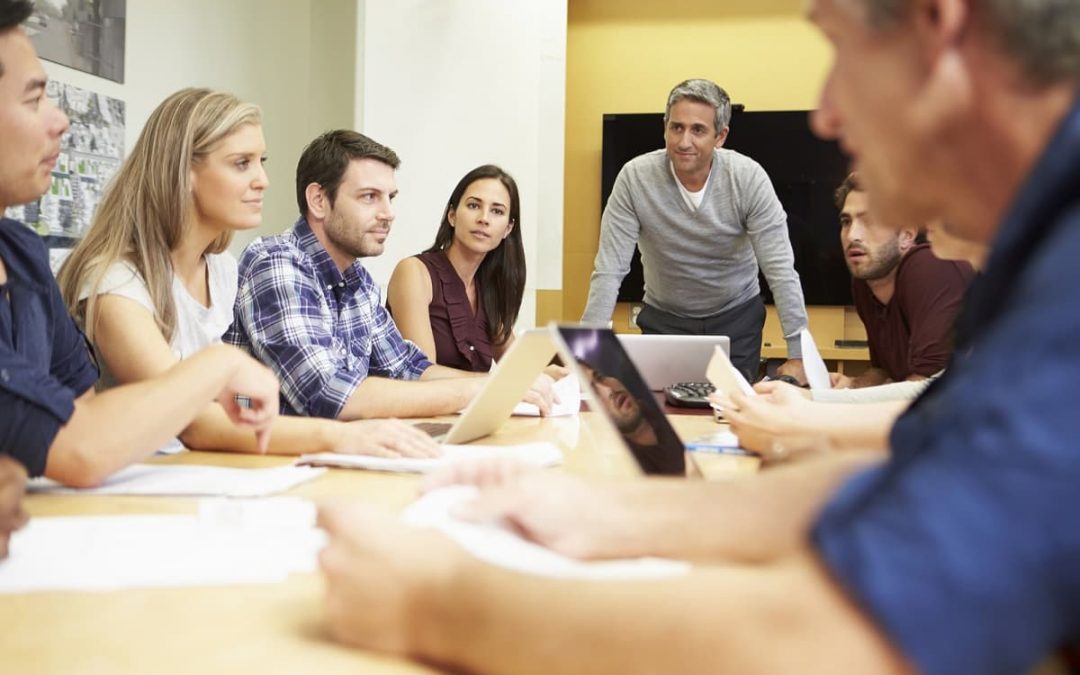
pixel 87 35
pixel 90 154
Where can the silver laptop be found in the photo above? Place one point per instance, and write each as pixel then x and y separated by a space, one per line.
pixel 664 360
pixel 507 384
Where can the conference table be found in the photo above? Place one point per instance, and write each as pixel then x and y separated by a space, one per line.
pixel 267 628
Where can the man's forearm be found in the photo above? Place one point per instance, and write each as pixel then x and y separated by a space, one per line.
pixel 778 265
pixel 111 430
pixel 437 372
pixel 872 377
pixel 603 289
pixel 753 519
pixel 378 397
pixel 858 426
pixel 619 231
pixel 787 617
pixel 213 430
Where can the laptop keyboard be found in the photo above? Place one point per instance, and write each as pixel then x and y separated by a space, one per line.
pixel 434 429
pixel 689 394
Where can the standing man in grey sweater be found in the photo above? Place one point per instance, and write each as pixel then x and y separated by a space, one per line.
pixel 705 219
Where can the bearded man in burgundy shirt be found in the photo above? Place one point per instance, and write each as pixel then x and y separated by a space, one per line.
pixel 906 297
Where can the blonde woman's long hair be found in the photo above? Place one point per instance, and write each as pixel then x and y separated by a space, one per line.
pixel 148 205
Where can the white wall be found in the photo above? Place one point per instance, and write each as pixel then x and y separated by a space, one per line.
pixel 453 84
pixel 332 71
pixel 448 84
pixel 294 58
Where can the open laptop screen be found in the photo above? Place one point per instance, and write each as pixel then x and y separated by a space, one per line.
pixel 623 397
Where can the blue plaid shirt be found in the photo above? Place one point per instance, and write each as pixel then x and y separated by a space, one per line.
pixel 322 332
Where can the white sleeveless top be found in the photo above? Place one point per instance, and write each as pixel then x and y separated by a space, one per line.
pixel 196 326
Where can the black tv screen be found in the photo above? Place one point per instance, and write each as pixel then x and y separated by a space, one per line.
pixel 804 170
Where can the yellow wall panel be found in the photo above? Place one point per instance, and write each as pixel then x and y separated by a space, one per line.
pixel 623 56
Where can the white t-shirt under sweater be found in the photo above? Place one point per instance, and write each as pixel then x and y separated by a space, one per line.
pixel 692 199
pixel 197 326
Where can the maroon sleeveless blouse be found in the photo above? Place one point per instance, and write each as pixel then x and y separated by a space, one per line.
pixel 461 339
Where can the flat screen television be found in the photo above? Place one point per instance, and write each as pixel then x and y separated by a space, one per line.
pixel 804 170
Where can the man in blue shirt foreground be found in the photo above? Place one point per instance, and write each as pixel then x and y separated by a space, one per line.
pixel 957 554
pixel 51 421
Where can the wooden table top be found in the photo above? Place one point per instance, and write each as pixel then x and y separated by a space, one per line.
pixel 268 628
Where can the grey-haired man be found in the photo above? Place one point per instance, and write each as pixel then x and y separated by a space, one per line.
pixel 706 219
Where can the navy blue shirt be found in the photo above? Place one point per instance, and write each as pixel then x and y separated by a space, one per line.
pixel 44 361
pixel 965 546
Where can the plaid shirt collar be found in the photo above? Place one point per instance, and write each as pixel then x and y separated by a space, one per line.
pixel 330 277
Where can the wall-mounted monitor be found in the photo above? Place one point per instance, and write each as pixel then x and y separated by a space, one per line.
pixel 804 170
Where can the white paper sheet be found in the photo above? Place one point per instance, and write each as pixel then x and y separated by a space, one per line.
pixel 226 543
pixel 190 480
pixel 501 546
pixel 539 454
pixel 814 366
pixel 569 392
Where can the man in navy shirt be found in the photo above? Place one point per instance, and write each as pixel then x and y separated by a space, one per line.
pixel 52 422
pixel 957 554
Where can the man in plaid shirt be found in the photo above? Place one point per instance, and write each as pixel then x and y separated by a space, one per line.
pixel 307 307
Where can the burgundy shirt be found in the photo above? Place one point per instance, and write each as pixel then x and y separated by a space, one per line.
pixel 461 338
pixel 912 335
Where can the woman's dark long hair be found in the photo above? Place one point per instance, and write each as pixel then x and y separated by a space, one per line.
pixel 502 272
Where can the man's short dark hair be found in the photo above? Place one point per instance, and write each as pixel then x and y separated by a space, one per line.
pixel 13 13
pixel 326 159
pixel 850 184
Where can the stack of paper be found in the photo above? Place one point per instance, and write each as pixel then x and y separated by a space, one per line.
pixel 229 542
pixel 538 454
pixel 499 545
pixel 183 480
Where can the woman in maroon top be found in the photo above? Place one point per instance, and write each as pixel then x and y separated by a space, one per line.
pixel 459 299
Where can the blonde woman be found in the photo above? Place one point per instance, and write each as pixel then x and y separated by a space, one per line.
pixel 152 281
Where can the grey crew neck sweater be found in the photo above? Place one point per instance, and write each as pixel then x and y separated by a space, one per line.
pixel 697 262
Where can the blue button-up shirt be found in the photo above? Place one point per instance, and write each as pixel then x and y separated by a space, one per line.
pixel 965 547
pixel 321 331
pixel 45 363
